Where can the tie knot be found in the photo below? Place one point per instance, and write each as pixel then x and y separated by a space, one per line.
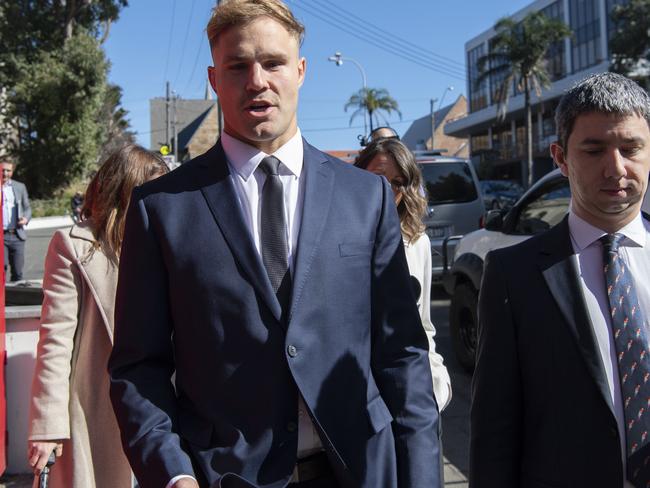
pixel 270 165
pixel 611 242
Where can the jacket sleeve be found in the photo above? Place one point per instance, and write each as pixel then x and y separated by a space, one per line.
pixel 142 361
pixel 27 208
pixel 49 418
pixel 496 411
pixel 441 380
pixel 400 361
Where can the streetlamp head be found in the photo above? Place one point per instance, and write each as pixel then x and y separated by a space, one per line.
pixel 337 58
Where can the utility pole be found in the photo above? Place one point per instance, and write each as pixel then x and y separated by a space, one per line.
pixel 167 119
pixel 433 120
pixel 175 129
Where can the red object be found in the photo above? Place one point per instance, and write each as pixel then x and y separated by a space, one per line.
pixel 3 361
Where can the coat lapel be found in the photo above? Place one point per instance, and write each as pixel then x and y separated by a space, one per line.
pixel 219 192
pixel 100 275
pixel 319 187
pixel 559 269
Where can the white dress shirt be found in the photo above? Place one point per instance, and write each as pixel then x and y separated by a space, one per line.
pixel 243 162
pixel 635 253
pixel 9 213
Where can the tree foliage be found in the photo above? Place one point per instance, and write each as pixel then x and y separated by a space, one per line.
pixel 372 101
pixel 53 77
pixel 57 101
pixel 518 57
pixel 630 43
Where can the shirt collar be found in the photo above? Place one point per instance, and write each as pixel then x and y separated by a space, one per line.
pixel 8 183
pixel 584 234
pixel 244 158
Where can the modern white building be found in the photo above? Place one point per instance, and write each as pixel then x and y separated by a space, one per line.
pixel 498 149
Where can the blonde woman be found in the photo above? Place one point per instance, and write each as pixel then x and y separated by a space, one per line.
pixel 70 411
pixel 390 158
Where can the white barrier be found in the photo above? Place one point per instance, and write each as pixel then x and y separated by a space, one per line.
pixel 22 323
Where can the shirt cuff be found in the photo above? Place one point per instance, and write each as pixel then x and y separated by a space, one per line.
pixel 176 478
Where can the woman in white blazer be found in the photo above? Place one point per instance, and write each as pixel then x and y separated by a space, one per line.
pixel 70 410
pixel 390 158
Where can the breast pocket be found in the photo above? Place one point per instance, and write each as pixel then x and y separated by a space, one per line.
pixel 349 249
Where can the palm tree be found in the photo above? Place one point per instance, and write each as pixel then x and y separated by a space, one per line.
pixel 518 56
pixel 372 101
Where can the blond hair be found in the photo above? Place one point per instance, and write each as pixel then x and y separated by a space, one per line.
pixel 109 193
pixel 231 13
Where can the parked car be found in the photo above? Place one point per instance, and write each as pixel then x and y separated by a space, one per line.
pixel 500 193
pixel 455 204
pixel 544 205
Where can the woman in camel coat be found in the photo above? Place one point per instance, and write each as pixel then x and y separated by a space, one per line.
pixel 70 411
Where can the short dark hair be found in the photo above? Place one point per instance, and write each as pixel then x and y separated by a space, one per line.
pixel 608 93
pixel 230 13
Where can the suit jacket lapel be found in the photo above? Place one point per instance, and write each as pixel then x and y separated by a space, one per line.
pixel 319 186
pixel 220 194
pixel 561 274
pixel 101 277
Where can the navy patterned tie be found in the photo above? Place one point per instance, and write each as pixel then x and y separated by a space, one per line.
pixel 273 234
pixel 630 331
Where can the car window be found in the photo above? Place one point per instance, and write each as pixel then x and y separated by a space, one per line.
pixel 448 183
pixel 545 210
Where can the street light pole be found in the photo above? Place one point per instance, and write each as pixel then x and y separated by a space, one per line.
pixel 338 60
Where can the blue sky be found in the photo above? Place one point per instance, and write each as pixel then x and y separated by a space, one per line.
pixel 164 40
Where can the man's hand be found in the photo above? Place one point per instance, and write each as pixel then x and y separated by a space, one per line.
pixel 186 483
pixel 22 221
pixel 38 453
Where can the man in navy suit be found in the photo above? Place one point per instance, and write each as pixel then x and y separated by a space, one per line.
pixel 271 279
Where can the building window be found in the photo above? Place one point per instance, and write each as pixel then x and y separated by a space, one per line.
pixel 555 53
pixel 497 77
pixel 477 94
pixel 480 142
pixel 585 44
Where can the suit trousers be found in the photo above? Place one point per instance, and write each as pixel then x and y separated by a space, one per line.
pixel 14 255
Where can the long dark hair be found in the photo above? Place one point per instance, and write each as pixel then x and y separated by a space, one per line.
pixel 413 205
pixel 109 192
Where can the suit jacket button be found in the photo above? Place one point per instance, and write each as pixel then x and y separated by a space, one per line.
pixel 292 427
pixel 292 351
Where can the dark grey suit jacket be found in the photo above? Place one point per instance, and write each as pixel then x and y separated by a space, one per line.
pixel 542 415
pixel 24 209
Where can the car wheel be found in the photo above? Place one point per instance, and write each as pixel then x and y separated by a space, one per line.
pixel 463 323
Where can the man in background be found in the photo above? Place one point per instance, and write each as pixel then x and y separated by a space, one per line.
pixel 16 213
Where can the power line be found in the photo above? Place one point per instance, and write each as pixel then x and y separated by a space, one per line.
pixel 359 28
pixel 353 31
pixel 196 60
pixel 187 32
pixel 449 62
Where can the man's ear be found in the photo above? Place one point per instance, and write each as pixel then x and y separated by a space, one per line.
pixel 302 69
pixel 212 76
pixel 559 157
